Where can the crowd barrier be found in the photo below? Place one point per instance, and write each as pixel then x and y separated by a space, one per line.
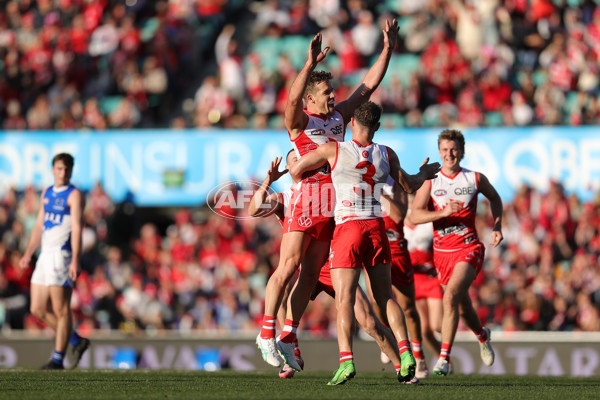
pixel 517 353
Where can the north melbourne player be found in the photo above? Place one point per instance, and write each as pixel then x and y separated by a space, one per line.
pixel 58 230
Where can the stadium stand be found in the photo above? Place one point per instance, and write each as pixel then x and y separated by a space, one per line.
pixel 105 64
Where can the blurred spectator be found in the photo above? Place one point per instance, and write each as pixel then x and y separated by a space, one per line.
pixel 204 273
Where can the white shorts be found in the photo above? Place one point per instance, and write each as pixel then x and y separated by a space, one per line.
pixel 52 268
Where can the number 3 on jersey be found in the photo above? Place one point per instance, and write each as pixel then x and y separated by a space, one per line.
pixel 367 177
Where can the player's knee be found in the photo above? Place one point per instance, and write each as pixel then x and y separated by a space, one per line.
pixel 451 298
pixel 288 266
pixel 39 312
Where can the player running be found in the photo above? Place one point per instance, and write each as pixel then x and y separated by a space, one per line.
pixel 450 202
pixel 359 170
pixel 309 226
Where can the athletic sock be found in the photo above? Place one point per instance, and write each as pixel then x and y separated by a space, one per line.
pixel 268 327
pixel 445 352
pixel 403 346
pixel 397 368
pixel 74 339
pixel 57 357
pixel 416 348
pixel 482 335
pixel 346 356
pixel 289 331
pixel 297 348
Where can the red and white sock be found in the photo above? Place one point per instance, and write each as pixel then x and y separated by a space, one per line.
pixel 268 327
pixel 289 331
pixel 416 348
pixel 445 353
pixel 346 356
pixel 397 367
pixel 297 348
pixel 482 335
pixel 403 346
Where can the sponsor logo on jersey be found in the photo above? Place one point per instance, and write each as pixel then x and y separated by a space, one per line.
pixel 311 147
pixel 304 222
pixel 347 203
pixel 365 154
pixel 337 129
pixel 439 192
pixel 59 204
pixel 463 190
pixel 317 132
pixel 460 229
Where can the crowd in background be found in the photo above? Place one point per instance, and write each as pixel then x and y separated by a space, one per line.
pixel 98 64
pixel 197 272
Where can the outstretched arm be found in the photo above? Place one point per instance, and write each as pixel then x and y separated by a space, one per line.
pixel 294 117
pixel 262 203
pixel 410 183
pixel 486 188
pixel 375 74
pixel 325 153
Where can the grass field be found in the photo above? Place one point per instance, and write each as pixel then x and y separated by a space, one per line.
pixel 94 384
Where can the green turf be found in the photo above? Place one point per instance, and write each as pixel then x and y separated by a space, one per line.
pixel 81 385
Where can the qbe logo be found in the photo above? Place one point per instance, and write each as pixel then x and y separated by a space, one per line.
pixel 233 199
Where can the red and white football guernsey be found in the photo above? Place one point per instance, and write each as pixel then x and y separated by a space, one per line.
pixel 312 207
pixel 319 130
pixel 457 230
pixel 455 239
pixel 358 175
pixel 420 240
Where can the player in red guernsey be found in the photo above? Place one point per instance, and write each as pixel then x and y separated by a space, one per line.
pixel 394 201
pixel 428 291
pixel 359 170
pixel 312 118
pixel 264 204
pixel 450 202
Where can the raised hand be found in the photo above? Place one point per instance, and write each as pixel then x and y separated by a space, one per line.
pixel 429 171
pixel 315 55
pixel 390 34
pixel 274 172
